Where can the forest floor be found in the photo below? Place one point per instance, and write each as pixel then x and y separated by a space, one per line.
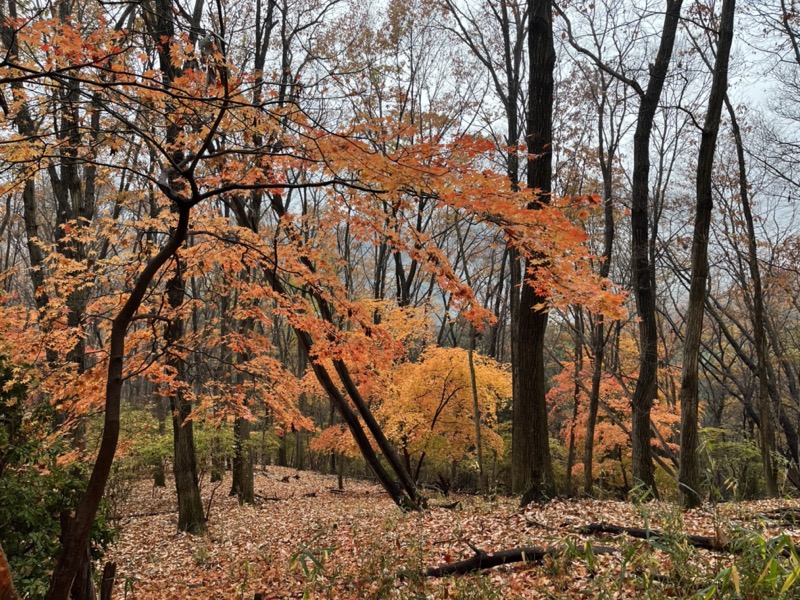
pixel 305 537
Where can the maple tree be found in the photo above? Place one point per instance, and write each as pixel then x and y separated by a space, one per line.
pixel 306 220
pixel 181 115
pixel 426 408
pixel 612 450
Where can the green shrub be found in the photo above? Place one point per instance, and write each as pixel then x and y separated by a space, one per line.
pixel 733 466
pixel 35 490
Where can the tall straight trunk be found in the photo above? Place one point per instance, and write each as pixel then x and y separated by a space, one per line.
pixel 577 386
pixel 530 434
pixel 184 464
pixel 476 413
pixel 242 477
pixel 765 425
pixel 159 472
pixel 598 331
pixel 249 216
pixel 299 449
pixel 689 474
pixel 507 81
pixel 643 270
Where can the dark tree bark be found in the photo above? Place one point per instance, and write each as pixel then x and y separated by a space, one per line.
pixel 107 580
pixel 643 269
pixel 531 462
pixel 765 426
pixel 405 497
pixel 242 475
pixel 689 475
pixel 577 389
pixel 606 157
pixel 26 127
pixel 159 471
pixel 698 541
pixel 487 560
pixel 507 83
pixel 80 525
pixel 242 484
pixel 191 517
pixel 408 496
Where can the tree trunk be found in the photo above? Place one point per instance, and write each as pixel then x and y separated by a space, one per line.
pixel 577 387
pixel 476 414
pixel 642 269
pixel 530 434
pixel 487 560
pixel 242 485
pixel 689 476
pixel 299 447
pixel 765 426
pixel 6 585
pixel 78 535
pixel 191 517
pixel 159 471
pixel 598 331
pixel 83 585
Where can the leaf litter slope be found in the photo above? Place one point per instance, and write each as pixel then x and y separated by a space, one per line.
pixel 363 541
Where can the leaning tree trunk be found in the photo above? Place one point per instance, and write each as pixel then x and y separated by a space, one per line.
pixel 689 475
pixel 81 523
pixel 530 434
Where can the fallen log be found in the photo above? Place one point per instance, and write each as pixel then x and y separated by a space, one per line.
pixel 271 498
pixel 789 516
pixel 698 541
pixel 486 560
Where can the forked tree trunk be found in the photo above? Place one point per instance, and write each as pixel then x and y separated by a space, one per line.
pixel 408 500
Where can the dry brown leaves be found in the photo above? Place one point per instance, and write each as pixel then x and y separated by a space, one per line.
pixel 362 541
